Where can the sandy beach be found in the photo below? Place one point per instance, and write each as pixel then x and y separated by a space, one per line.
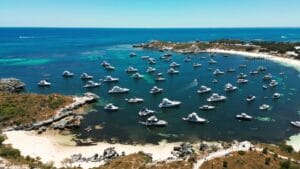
pixel 289 62
pixel 294 141
pixel 55 148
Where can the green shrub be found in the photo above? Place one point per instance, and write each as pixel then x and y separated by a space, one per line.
pixel 285 165
pixel 286 148
pixel 267 160
pixel 8 152
pixel 225 164
pixel 2 139
pixel 265 150
pixel 241 152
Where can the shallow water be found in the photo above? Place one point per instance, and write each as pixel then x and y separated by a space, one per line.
pixel 46 53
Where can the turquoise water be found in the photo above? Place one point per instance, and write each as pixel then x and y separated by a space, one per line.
pixel 48 52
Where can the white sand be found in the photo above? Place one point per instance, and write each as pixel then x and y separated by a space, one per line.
pixel 289 62
pixel 294 141
pixel 55 148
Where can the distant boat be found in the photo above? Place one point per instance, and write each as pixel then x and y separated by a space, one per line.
pixel 132 54
pixel 135 100
pixel 203 89
pixel 156 90
pixel 146 112
pixel 173 71
pixel 296 123
pixel 276 95
pixel 154 121
pixel 67 74
pixel 273 83
pixel 229 87
pixel 267 77
pixel 166 103
pixel 230 70
pixel 242 81
pixel 110 79
pixel 243 116
pixel 117 90
pixel 193 117
pixel 218 72
pixel 85 76
pixel 197 65
pixel 216 98
pixel 250 98
pixel 150 69
pixel 264 107
pixel 91 84
pixel 111 107
pixel 207 107
pixel 44 83
pixel 137 76
pixel 131 69
pixel 211 61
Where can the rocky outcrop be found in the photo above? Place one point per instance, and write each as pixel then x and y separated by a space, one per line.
pixel 185 149
pixel 11 85
pixel 108 154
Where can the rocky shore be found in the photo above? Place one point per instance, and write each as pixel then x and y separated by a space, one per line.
pixel 11 85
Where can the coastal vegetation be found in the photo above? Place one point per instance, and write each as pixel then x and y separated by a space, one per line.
pixel 21 108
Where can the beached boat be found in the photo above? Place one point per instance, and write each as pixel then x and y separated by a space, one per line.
pixel 85 76
pixel 110 79
pixel 207 107
pixel 193 117
pixel 146 112
pixel 117 89
pixel 229 87
pixel 203 89
pixel 244 116
pixel 166 103
pixel 154 121
pixel 44 83
pixel 216 98
pixel 66 73
pixel 111 107
pixel 156 90
pixel 91 84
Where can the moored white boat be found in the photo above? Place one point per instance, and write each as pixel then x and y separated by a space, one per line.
pixel 111 107
pixel 203 89
pixel 154 121
pixel 146 112
pixel 91 84
pixel 118 89
pixel 207 107
pixel 66 73
pixel 244 116
pixel 135 100
pixel 110 79
pixel 166 103
pixel 216 98
pixel 85 76
pixel 44 83
pixel 156 90
pixel 193 117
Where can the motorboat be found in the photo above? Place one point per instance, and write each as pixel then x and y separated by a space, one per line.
pixel 159 74
pixel 132 54
pixel 145 57
pixel 296 123
pixel 137 76
pixel 156 90
pixel 281 73
pixel 160 79
pixel 197 65
pixel 110 79
pixel 218 72
pixel 214 81
pixel 244 116
pixel 44 83
pixel 211 61
pixel 267 77
pixel 264 86
pixel 66 73
pixel 91 84
pixel 242 81
pixel 146 112
pixel 230 70
pixel 174 64
pixel 118 89
pixel 250 98
pixel 273 83
pixel 109 67
pixel 193 117
pixel 242 66
pixel 150 69
pixel 229 87
pixel 167 55
pixel 255 72
pixel 151 61
pixel 261 68
pixel 166 103
pixel 216 98
pixel 203 89
pixel 241 76
pixel 131 69
pixel 187 59
pixel 173 71
pixel 154 121
pixel 135 100
pixel 207 107
pixel 85 76
pixel 111 107
pixel 276 95
pixel 264 107
pixel 104 63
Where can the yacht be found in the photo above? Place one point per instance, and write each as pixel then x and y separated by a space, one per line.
pixel 218 72
pixel 296 123
pixel 104 63
pixel 230 70
pixel 173 71
pixel 156 90
pixel 243 116
pixel 67 74
pixel 174 64
pixel 166 103
pixel 264 86
pixel 261 68
pixel 137 76
pixel 109 67
pixel 132 54
pixel 145 57
pixel 151 61
pixel 197 65
pixel 85 76
pixel 131 69
pixel 44 83
pixel 207 107
pixel 229 87
pixel 154 121
pixel 187 59
pixel 242 81
pixel 110 79
pixel 91 84
pixel 273 83
pixel 214 81
pixel 255 72
pixel 250 98
pixel 264 107
pixel 241 76
pixel 150 69
pixel 159 74
pixel 216 98
pixel 111 107
pixel 267 77
pixel 276 95
pixel 193 117
pixel 211 61
pixel 135 100
pixel 203 89
pixel 146 112
pixel 117 89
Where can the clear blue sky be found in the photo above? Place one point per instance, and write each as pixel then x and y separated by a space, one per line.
pixel 150 13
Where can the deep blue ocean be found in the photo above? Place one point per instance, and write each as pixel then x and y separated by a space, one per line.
pixel 32 54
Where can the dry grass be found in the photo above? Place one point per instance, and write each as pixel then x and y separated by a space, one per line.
pixel 280 151
pixel 16 109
